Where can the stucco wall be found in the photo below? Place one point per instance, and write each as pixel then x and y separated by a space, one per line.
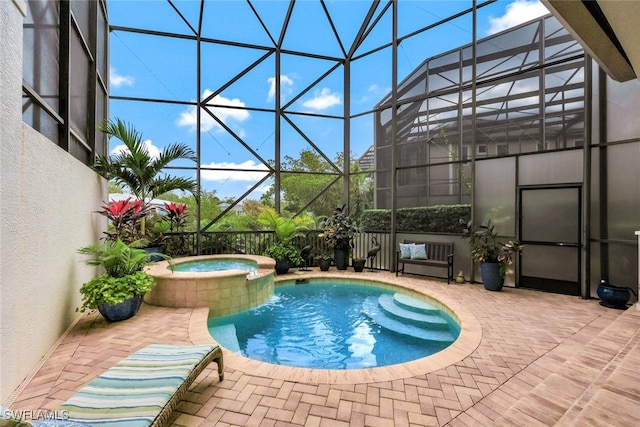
pixel 46 202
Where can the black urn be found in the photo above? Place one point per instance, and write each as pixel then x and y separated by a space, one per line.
pixel 613 296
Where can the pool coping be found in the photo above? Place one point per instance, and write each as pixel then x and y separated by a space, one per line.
pixel 163 268
pixel 468 340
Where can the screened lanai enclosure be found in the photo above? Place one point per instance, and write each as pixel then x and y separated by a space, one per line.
pixel 305 105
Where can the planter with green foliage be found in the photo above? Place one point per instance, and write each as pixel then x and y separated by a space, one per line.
pixel 495 257
pixel 285 255
pixel 122 285
pixel 283 251
pixel 338 232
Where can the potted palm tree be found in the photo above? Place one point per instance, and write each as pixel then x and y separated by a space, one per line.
pixel 117 293
pixel 137 171
pixel 283 251
pixel 495 257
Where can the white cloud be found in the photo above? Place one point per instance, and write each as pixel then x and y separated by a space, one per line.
pixel 323 100
pixel 262 189
pixel 117 80
pixel 207 122
pixel 286 86
pixel 516 13
pixel 153 151
pixel 255 172
pixel 373 94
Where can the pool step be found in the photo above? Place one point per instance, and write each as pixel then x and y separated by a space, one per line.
pixel 372 309
pixel 226 336
pixel 414 304
pixel 399 312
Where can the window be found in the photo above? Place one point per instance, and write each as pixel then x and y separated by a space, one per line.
pixel 61 40
pixel 465 153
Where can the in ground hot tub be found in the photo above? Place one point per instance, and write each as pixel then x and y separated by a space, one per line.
pixel 246 284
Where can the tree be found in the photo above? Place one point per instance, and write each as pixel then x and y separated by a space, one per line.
pixel 252 208
pixel 361 190
pixel 136 170
pixel 311 175
pixel 115 188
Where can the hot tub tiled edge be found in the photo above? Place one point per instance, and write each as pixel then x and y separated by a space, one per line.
pixel 224 292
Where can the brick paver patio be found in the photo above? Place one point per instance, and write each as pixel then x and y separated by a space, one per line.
pixel 539 359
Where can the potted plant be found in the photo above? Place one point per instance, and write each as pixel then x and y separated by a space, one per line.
pixel 324 262
pixel 176 243
pixel 135 169
pixel 358 264
pixel 285 255
pixel 124 219
pixel 495 257
pixel 338 232
pixel 117 293
pixel 283 251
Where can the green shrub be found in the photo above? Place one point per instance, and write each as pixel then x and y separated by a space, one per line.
pixel 114 290
pixel 427 219
pixel 117 258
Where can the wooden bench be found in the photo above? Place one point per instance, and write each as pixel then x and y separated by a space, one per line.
pixel 439 254
pixel 142 389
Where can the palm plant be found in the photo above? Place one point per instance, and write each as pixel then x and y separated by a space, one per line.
pixel 285 230
pixel 123 279
pixel 137 170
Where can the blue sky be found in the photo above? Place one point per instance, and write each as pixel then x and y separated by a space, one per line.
pixel 164 68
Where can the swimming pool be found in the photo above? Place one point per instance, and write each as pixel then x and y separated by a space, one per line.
pixel 205 265
pixel 334 325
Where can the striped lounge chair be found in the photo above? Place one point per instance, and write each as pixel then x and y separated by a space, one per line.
pixel 142 389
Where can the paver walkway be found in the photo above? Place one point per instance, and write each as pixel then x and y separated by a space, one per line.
pixel 542 359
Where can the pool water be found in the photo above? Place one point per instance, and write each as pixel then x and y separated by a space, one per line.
pixel 216 265
pixel 336 326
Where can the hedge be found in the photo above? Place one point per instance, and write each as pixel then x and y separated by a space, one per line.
pixel 428 219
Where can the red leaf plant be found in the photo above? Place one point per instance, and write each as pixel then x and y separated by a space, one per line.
pixel 177 214
pixel 125 217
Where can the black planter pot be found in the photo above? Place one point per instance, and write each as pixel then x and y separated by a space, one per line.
pixel 613 296
pixel 282 266
pixel 324 264
pixel 154 250
pixel 491 278
pixel 358 264
pixel 340 257
pixel 121 311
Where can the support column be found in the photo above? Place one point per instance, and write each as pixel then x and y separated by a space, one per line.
pixel 638 235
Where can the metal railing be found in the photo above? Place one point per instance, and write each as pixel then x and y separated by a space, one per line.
pixel 256 242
